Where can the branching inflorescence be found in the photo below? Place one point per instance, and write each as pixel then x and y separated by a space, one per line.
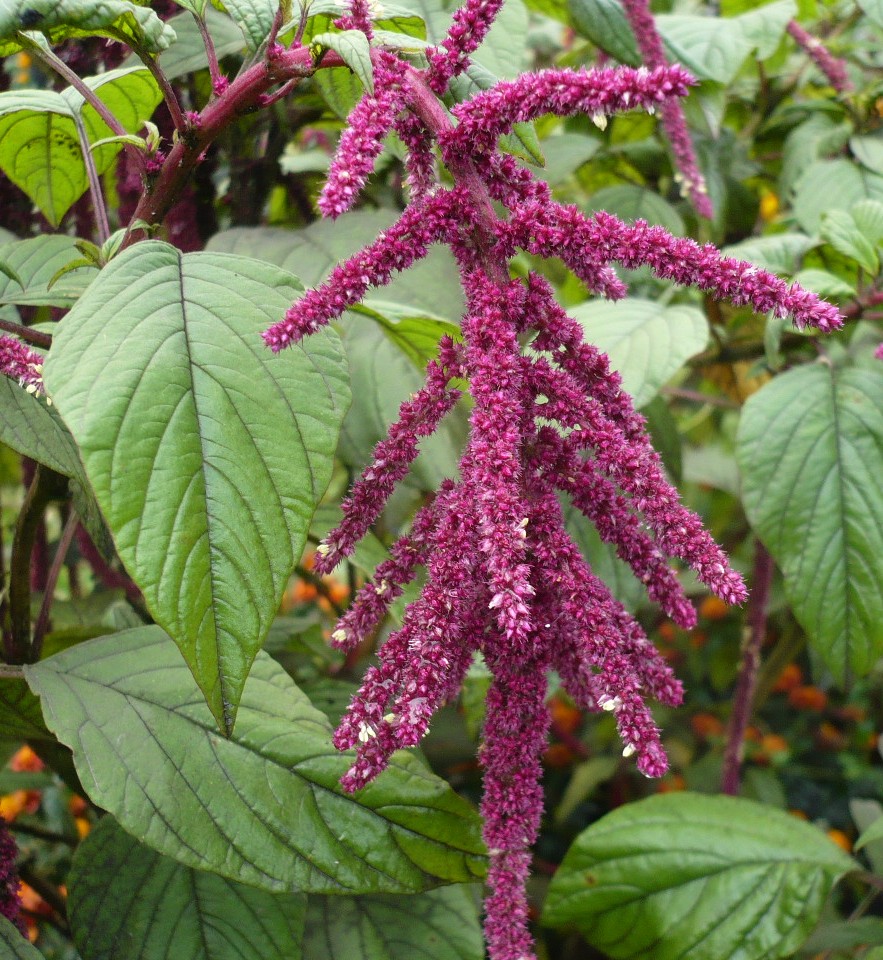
pixel 503 577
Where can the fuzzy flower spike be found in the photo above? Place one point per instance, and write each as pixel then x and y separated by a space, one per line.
pixel 503 577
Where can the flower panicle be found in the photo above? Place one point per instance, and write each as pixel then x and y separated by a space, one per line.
pixel 358 17
pixel 598 93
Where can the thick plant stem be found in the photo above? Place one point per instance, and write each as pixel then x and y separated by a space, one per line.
pixel 242 96
pixel 743 699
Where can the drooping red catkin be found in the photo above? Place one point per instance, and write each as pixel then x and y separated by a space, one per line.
pixel 504 579
pixel 687 171
pixel 833 68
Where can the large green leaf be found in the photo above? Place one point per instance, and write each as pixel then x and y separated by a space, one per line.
pixel 810 447
pixel 646 342
pixel 263 807
pixel 438 925
pixel 206 453
pixel 40 149
pixel 779 252
pixel 353 48
pixel 60 19
pixel 33 428
pixel 832 185
pixel 20 715
pixel 695 877
pixel 13 946
pixel 35 262
pixel 128 902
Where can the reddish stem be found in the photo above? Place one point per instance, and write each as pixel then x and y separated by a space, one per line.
pixel 746 684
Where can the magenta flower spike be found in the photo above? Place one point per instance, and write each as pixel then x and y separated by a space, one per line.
pixel 20 363
pixel 688 175
pixel 833 68
pixel 504 579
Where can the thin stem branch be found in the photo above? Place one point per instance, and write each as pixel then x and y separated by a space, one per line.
pixel 747 681
pixel 214 68
pixel 165 87
pixel 50 893
pixel 26 333
pixel 9 671
pixel 696 396
pixel 31 830
pixel 102 225
pixel 42 623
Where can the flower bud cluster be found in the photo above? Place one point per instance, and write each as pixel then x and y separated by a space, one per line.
pixel 20 363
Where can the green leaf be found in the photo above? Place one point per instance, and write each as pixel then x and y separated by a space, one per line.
pixel 438 925
pixel 862 932
pixel 128 902
pixel 646 342
pixel 20 715
pixel 502 52
pixel 263 807
pixel 197 7
pixel 209 491
pixel 711 48
pixel 14 945
pixel 629 202
pixel 604 23
pixel 341 90
pixel 868 216
pixel 187 54
pixel 810 448
pixel 63 19
pixel 695 877
pixel 827 185
pixel 254 18
pixel 874 10
pixel 840 230
pixel 564 154
pixel 353 48
pixel 765 26
pixel 36 261
pixel 40 148
pixel 870 834
pixel 33 428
